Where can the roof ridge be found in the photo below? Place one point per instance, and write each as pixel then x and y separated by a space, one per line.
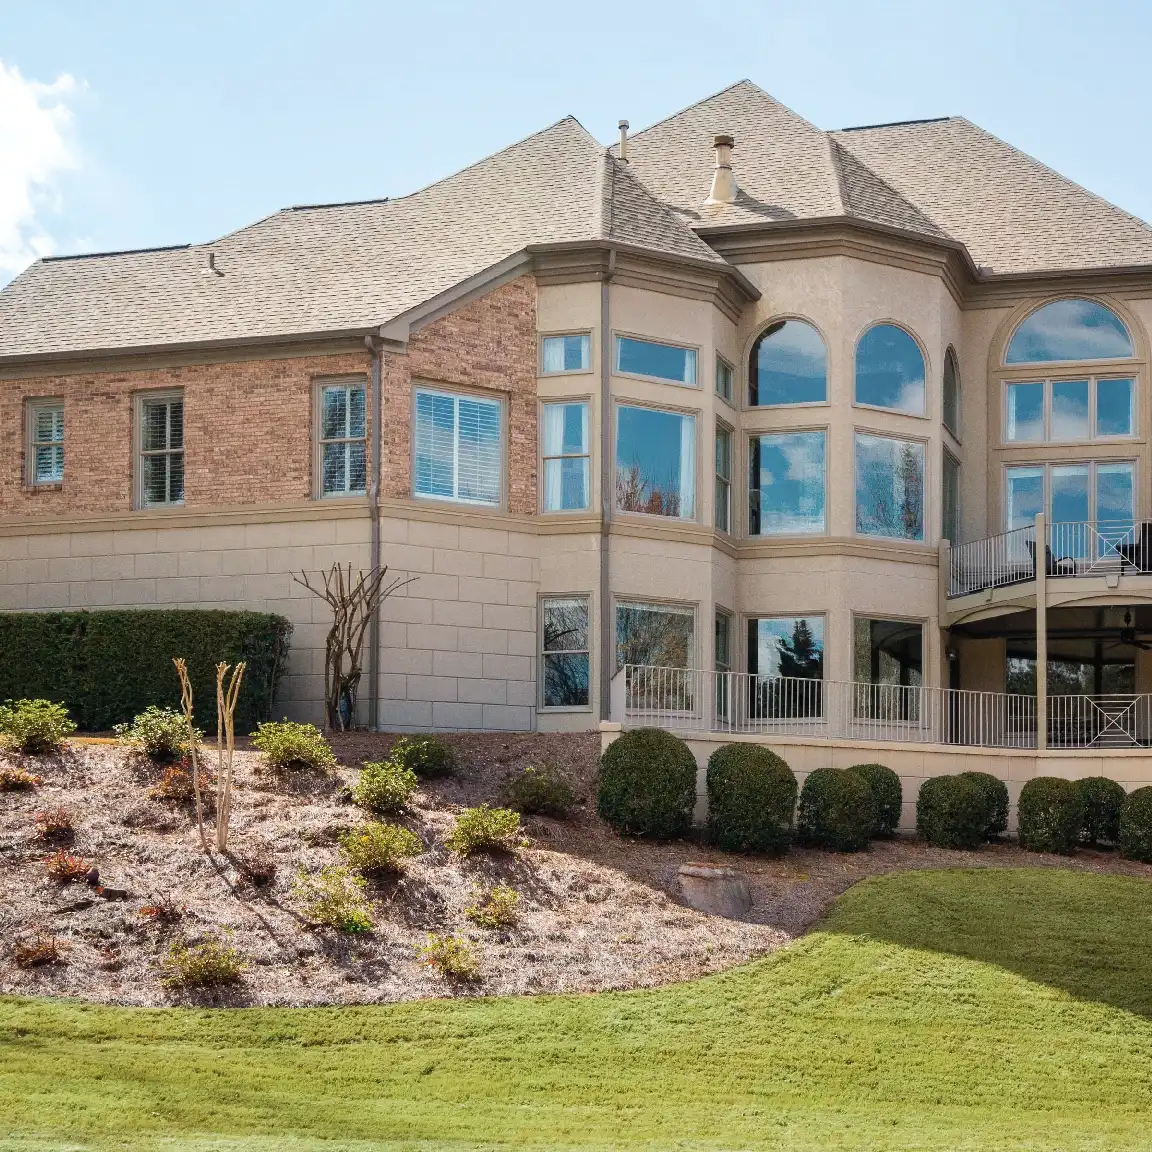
pixel 745 83
pixel 116 252
pixel 895 123
pixel 834 151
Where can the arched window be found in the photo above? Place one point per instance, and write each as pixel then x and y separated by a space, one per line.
pixel 890 370
pixel 788 365
pixel 1069 330
pixel 951 393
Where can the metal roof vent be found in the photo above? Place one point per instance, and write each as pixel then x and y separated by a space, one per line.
pixel 724 186
pixel 624 141
pixel 210 268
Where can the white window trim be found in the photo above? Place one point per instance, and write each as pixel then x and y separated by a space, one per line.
pixel 543 458
pixel 926 508
pixel 751 434
pixel 33 405
pixel 586 597
pixel 139 400
pixel 1093 379
pixel 696 415
pixel 616 371
pixel 320 384
pixel 456 394
pixel 1091 464
pixel 585 332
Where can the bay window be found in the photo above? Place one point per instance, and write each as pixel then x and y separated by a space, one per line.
pixel 723 479
pixel 784 654
pixel 889 487
pixel 786 484
pixel 668 362
pixel 566 459
pixel 655 462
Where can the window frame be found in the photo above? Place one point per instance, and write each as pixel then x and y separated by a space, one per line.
pixel 951 357
pixel 584 333
pixel 543 458
pixel 1090 463
pixel 457 393
pixel 925 485
pixel 751 434
pixel 728 397
pixel 678 607
pixel 322 384
pixel 586 599
pixel 1033 309
pixel 693 414
pixel 945 458
pixel 746 404
pixel 1068 376
pixel 140 401
pixel 926 414
pixel 723 429
pixel 695 349
pixel 32 407
pixel 821 613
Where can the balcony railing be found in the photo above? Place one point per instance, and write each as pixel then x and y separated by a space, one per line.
pixel 697 700
pixel 1071 548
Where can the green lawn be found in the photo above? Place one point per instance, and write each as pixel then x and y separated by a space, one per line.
pixel 981 1009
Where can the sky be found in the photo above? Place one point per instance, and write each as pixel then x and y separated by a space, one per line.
pixel 129 125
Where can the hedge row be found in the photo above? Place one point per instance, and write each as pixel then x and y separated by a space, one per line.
pixel 107 667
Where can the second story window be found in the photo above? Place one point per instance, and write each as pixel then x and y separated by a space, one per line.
pixel 655 462
pixel 723 479
pixel 559 354
pixel 46 447
pixel 161 463
pixel 889 487
pixel 786 484
pixel 566 465
pixel 342 440
pixel 1069 410
pixel 724 379
pixel 667 362
pixel 890 370
pixel 457 448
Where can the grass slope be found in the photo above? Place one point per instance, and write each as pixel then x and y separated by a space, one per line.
pixel 981 1009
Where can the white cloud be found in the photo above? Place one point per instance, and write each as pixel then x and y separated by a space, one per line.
pixel 35 150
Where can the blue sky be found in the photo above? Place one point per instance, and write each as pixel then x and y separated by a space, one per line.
pixel 125 125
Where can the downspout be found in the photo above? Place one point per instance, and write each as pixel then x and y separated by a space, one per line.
pixel 374 348
pixel 607 491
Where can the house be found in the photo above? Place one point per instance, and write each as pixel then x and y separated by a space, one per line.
pixel 739 427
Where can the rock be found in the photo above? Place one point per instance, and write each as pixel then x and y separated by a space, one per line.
pixel 715 890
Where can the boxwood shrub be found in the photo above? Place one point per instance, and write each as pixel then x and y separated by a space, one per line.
pixel 1101 800
pixel 887 797
pixel 1049 815
pixel 1136 826
pixel 952 811
pixel 647 784
pixel 836 810
pixel 751 799
pixel 107 667
pixel 996 801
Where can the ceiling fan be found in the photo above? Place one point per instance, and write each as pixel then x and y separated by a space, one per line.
pixel 1127 636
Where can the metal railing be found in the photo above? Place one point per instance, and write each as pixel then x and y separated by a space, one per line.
pixel 1120 720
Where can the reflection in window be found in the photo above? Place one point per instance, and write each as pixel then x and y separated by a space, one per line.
pixel 786 484
pixel 951 394
pixel 723 663
pixel 566 479
pixel 663 361
pixel 1025 411
pixel 789 365
pixel 457 448
pixel 1025 495
pixel 1073 494
pixel 655 462
pixel 1069 410
pixel 950 485
pixel 565 353
pixel 888 668
pixel 1069 330
pixel 890 370
pixel 889 487
pixel 1114 408
pixel 723 480
pixel 342 440
pixel 783 650
pixel 565 653
pixel 1075 668
pixel 724 378
pixel 660 637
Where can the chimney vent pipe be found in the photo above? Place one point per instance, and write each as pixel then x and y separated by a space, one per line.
pixel 724 186
pixel 624 140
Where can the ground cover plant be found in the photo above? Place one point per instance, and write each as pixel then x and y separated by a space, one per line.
pixel 379 849
pixel 970 1009
pixel 335 897
pixel 541 791
pixel 485 829
pixel 428 756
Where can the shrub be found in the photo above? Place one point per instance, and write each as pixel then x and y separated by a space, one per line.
pixel 1049 815
pixel 176 784
pixel 54 824
pixel 647 784
pixel 64 867
pixel 498 908
pixel 425 755
pixel 952 812
pixel 18 780
pixel 887 797
pixel 335 897
pixel 452 957
pixel 995 794
pixel 542 791
pixel 378 849
pixel 159 733
pixel 384 787
pixel 836 810
pixel 209 964
pixel 751 799
pixel 290 746
pixel 36 949
pixel 485 829
pixel 1136 826
pixel 1101 801
pixel 35 726
pixel 109 666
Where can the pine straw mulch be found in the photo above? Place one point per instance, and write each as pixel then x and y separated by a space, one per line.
pixel 598 912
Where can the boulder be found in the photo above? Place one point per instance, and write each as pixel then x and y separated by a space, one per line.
pixel 716 890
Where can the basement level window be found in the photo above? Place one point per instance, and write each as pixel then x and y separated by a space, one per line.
pixel 565 652
pixel 667 362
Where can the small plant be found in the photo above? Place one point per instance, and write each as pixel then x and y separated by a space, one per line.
pixel 542 791
pixel 212 963
pixel 35 726
pixel 35 949
pixel 162 909
pixel 379 849
pixel 647 784
pixel 384 787
pixel 836 810
pixel 177 785
pixel 1049 815
pixel 485 829
pixel 498 908
pixel 66 868
pixel 427 756
pixel 452 957
pixel 751 799
pixel 18 780
pixel 336 898
pixel 1101 801
pixel 1136 826
pixel 293 747
pixel 953 811
pixel 161 734
pixel 887 797
pixel 54 824
pixel 995 793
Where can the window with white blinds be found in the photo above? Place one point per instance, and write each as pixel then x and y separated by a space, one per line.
pixel 46 425
pixel 457 448
pixel 161 463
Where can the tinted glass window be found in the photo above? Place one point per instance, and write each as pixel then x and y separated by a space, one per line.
pixel 1114 408
pixel 889 487
pixel 655 635
pixel 655 462
pixel 664 361
pixel 787 646
pixel 1069 410
pixel 951 497
pixel 1069 330
pixel 1025 411
pixel 565 653
pixel 890 370
pixel 789 365
pixel 786 484
pixel 566 353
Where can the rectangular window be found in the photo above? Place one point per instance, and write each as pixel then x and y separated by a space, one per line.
pixel 655 635
pixel 342 440
pixel 724 379
pixel 723 480
pixel 889 487
pixel 655 462
pixel 457 448
pixel 566 461
pixel 786 484
pixel 1069 410
pixel 1103 493
pixel 46 447
pixel 888 668
pixel 950 483
pixel 559 354
pixel 565 653
pixel 784 653
pixel 723 662
pixel 660 361
pixel 161 462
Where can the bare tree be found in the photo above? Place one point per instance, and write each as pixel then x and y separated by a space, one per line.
pixel 193 750
pixel 353 603
pixel 225 747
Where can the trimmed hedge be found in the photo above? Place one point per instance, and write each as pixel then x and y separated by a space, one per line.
pixel 1049 815
pixel 647 784
pixel 995 798
pixel 836 810
pixel 887 797
pixel 953 811
pixel 751 799
pixel 107 667
pixel 1136 826
pixel 1101 801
